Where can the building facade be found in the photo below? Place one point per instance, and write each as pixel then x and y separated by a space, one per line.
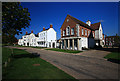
pixel 112 41
pixel 45 38
pixel 76 34
pixel 99 36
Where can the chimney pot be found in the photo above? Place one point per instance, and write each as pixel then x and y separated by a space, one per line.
pixel 43 28
pixel 32 31
pixel 51 26
pixel 88 22
pixel 26 33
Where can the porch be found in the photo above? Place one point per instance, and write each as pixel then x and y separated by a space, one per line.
pixel 71 44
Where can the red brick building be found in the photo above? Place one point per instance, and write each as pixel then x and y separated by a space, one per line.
pixel 76 34
pixel 112 40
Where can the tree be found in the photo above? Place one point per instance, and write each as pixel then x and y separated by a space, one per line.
pixel 14 18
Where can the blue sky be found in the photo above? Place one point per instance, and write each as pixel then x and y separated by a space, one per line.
pixel 45 13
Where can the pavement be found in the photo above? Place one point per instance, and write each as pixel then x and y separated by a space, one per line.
pixel 85 65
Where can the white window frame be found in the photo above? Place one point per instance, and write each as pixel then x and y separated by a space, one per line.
pixel 93 34
pixel 85 32
pixel 68 30
pixel 82 31
pixel 67 20
pixel 63 32
pixel 72 31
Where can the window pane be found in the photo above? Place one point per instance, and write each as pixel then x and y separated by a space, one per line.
pixel 72 31
pixel 82 31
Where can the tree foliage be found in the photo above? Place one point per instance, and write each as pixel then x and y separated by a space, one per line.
pixel 14 18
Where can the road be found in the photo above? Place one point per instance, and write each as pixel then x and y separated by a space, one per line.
pixel 85 65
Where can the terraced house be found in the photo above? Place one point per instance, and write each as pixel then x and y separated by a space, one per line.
pixel 45 38
pixel 76 34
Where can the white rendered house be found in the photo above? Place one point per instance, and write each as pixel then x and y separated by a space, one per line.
pixel 25 40
pixel 28 39
pixel 32 39
pixel 20 42
pixel 99 37
pixel 47 37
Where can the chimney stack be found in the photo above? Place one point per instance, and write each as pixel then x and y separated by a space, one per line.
pixel 26 32
pixel 32 31
pixel 43 28
pixel 88 22
pixel 51 26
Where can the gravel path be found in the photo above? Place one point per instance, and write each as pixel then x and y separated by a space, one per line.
pixel 86 65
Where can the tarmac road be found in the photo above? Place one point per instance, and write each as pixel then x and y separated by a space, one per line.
pixel 80 66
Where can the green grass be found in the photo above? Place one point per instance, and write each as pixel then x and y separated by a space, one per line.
pixel 22 67
pixel 113 55
pixel 6 52
pixel 62 50
pixel 30 46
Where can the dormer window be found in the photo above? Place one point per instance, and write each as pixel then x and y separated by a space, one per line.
pixel 67 20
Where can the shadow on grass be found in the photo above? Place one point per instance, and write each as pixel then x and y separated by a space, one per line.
pixel 114 60
pixel 32 55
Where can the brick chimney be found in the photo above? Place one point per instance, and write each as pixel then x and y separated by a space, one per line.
pixel 51 26
pixel 31 31
pixel 43 28
pixel 26 32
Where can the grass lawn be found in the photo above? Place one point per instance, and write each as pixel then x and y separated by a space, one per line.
pixel 113 55
pixel 62 50
pixel 27 66
pixel 6 52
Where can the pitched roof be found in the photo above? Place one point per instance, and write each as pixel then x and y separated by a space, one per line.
pixel 80 22
pixel 45 29
pixel 28 34
pixel 95 26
